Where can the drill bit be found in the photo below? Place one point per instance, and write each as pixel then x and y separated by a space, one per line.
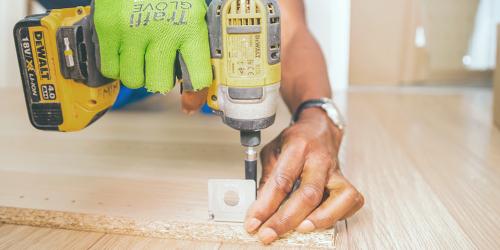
pixel 250 140
pixel 251 164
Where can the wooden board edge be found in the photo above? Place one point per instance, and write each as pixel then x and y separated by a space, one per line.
pixel 496 85
pixel 209 231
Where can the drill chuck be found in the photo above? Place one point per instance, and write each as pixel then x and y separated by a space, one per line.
pixel 250 138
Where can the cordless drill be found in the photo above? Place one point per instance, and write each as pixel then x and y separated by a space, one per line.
pixel 65 92
pixel 245 42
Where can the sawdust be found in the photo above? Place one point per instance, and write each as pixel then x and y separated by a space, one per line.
pixel 209 231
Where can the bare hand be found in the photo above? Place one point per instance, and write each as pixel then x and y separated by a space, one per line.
pixel 306 151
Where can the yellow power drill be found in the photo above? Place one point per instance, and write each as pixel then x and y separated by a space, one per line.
pixel 64 90
pixel 245 41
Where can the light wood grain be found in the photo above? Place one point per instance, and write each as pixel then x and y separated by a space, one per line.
pixel 440 141
pixel 426 159
pixel 110 241
pixel 230 246
pixel 496 84
pixel 461 165
pixel 24 237
pixel 142 172
pixel 397 196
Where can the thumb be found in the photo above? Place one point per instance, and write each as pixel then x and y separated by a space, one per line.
pixel 193 101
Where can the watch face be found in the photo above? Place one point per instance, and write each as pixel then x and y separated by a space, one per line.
pixel 334 114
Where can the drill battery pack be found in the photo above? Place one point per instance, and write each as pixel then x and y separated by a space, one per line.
pixel 57 57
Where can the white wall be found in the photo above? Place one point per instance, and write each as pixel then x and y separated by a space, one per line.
pixel 329 21
pixel 10 13
pixel 483 43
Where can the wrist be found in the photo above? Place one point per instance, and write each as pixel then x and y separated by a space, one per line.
pixel 320 117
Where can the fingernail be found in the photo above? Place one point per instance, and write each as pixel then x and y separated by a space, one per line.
pixel 192 112
pixel 267 235
pixel 306 227
pixel 252 225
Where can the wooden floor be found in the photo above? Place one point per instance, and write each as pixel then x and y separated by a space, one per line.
pixel 36 238
pixel 426 159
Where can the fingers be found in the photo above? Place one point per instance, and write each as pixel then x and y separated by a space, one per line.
pixel 132 63
pixel 192 101
pixel 360 202
pixel 280 183
pixel 269 157
pixel 109 39
pixel 343 198
pixel 160 61
pixel 196 55
pixel 302 202
pixel 109 63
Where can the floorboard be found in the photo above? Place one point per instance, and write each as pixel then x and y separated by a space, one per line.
pixel 25 237
pixel 133 242
pixel 427 160
pixel 401 211
pixel 142 172
pixel 458 162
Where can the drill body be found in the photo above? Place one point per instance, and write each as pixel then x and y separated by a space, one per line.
pixel 64 90
pixel 245 41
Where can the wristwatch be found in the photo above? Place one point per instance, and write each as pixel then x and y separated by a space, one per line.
pixel 327 104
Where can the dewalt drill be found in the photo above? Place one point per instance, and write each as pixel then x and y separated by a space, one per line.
pixel 245 42
pixel 64 90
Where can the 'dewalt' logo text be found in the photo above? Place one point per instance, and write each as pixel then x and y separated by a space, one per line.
pixel 41 52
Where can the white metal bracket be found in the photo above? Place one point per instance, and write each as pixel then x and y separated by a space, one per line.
pixel 229 200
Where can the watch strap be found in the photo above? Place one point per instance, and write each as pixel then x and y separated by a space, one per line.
pixel 326 105
pixel 313 103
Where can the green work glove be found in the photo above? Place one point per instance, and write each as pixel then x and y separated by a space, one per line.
pixel 139 41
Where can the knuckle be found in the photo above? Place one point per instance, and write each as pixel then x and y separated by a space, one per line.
pixel 311 194
pixel 282 224
pixel 352 192
pixel 296 137
pixel 257 210
pixel 301 142
pixel 283 183
pixel 325 159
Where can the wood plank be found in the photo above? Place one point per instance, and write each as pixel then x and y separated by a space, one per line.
pixel 402 210
pixel 462 163
pixel 496 84
pixel 230 246
pixel 143 172
pixel 24 237
pixel 110 241
pixel 426 159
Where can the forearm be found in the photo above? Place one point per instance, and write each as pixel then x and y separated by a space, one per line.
pixel 304 68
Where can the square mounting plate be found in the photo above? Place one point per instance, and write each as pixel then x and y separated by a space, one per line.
pixel 229 200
